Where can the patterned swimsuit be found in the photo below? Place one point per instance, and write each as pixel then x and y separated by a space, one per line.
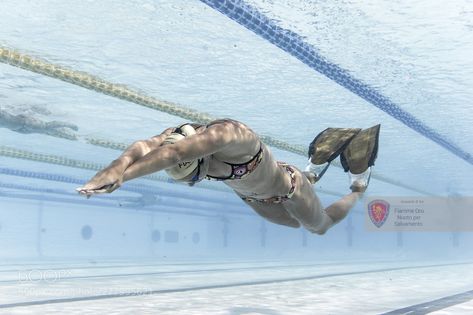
pixel 241 170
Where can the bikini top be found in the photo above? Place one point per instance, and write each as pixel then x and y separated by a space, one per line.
pixel 241 170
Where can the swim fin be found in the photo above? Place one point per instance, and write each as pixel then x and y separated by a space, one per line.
pixel 361 152
pixel 327 146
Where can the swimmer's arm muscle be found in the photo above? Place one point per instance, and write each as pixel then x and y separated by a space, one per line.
pixel 111 177
pixel 139 149
pixel 213 139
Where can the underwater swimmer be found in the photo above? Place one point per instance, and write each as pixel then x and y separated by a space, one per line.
pixel 227 150
pixel 25 119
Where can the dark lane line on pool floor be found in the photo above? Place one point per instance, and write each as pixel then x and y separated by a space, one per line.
pixel 88 266
pixel 158 264
pixel 208 287
pixel 434 305
pixel 57 279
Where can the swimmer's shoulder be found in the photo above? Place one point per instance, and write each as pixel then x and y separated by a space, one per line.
pixel 231 124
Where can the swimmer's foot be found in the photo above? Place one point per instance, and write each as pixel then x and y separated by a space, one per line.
pixel 362 151
pixel 359 182
pixel 327 146
pixel 314 172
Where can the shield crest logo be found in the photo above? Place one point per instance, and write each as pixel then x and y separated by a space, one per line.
pixel 378 211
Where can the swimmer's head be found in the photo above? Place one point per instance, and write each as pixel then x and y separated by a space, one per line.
pixel 199 172
pixel 189 172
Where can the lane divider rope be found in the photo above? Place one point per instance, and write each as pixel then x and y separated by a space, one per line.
pixel 59 160
pixel 121 91
pixel 294 44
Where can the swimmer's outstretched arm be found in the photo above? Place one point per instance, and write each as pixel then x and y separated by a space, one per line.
pixel 139 149
pixel 213 139
pixel 142 158
pixel 110 176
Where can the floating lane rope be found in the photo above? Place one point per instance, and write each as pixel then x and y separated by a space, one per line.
pixel 59 160
pixel 136 188
pixel 121 91
pixel 295 45
pixel 91 82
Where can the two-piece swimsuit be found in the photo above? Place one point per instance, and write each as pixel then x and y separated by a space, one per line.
pixel 241 170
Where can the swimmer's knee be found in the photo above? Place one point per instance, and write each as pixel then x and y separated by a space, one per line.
pixel 290 223
pixel 293 223
pixel 286 222
pixel 318 232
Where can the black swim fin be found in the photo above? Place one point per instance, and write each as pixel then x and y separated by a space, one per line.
pixel 362 151
pixel 330 143
pixel 326 147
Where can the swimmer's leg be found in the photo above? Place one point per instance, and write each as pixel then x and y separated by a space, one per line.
pixel 306 207
pixel 275 213
pixel 338 210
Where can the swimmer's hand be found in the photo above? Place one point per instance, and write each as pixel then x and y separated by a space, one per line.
pixel 105 181
pixel 102 190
